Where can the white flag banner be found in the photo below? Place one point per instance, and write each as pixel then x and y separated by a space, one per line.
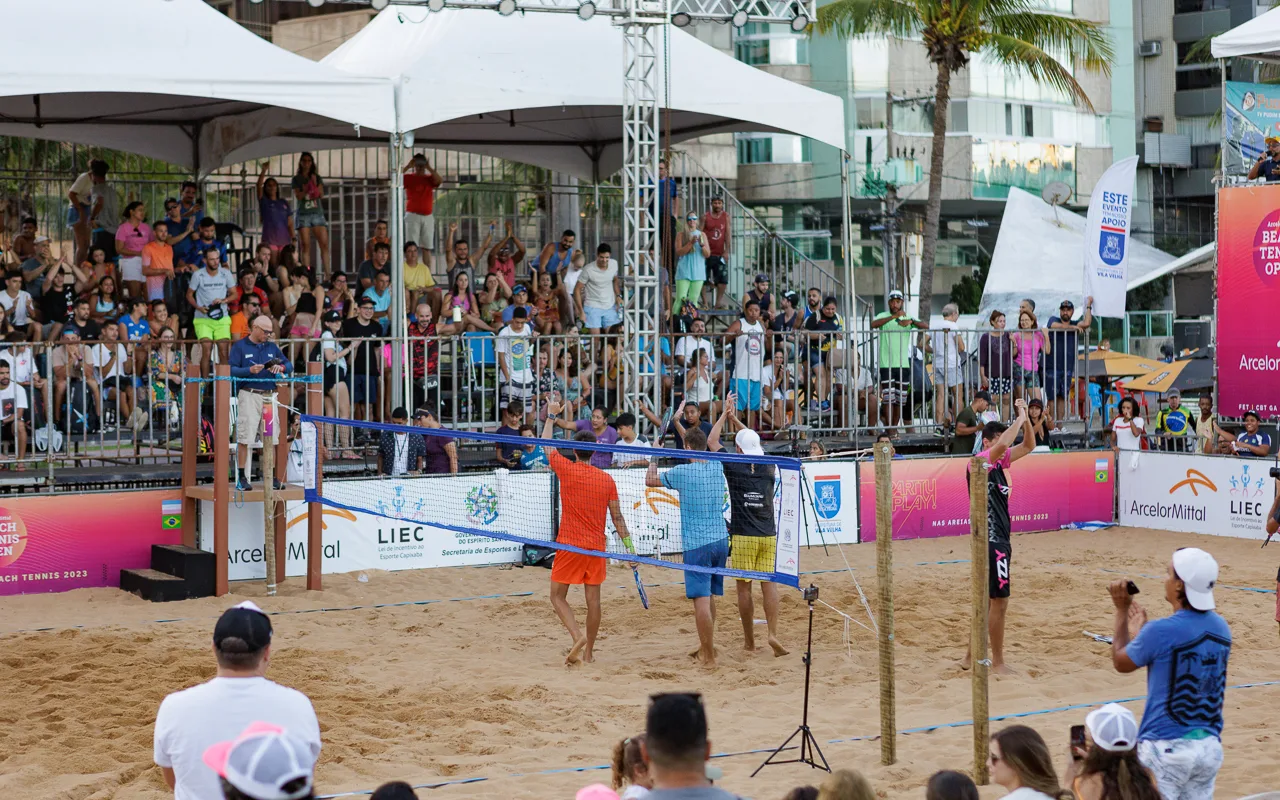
pixel 1106 238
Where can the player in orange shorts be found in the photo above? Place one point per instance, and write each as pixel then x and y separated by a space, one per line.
pixel 582 524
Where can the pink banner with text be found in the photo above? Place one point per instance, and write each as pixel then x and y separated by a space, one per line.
pixel 72 541
pixel 1248 278
pixel 1048 490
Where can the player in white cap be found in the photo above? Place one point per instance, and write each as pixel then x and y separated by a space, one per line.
pixel 1185 654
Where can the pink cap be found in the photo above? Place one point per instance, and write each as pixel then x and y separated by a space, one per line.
pixel 596 791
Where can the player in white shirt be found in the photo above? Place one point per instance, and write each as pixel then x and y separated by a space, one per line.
pixel 193 720
pixel 625 424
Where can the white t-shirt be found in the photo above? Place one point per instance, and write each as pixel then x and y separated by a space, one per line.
pixel 748 362
pixel 517 350
pixel 329 342
pixel 12 396
pixel 192 720
pixel 102 354
pixel 597 285
pixel 16 307
pixel 401 447
pixel 634 792
pixel 571 277
pixel 626 458
pixel 21 365
pixel 1026 793
pixel 686 347
pixel 1129 432
pixel 83 187
pixel 942 338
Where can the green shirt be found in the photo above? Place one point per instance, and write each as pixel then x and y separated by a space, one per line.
pixel 963 445
pixel 895 342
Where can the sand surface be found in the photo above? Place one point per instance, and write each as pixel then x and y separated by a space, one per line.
pixel 476 688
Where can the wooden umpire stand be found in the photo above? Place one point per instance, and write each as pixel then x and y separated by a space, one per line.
pixel 220 490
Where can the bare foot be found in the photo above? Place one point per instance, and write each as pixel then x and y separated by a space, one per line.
pixel 705 660
pixel 748 648
pixel 20 467
pixel 587 656
pixel 695 651
pixel 575 652
pixel 966 662
pixel 1002 669
pixel 778 650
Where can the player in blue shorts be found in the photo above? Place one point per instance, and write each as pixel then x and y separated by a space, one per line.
pixel 702 528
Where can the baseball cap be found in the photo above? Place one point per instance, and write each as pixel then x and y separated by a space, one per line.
pixel 246 622
pixel 762 278
pixel 332 316
pixel 1173 393
pixel 264 762
pixel 520 287
pixel 748 442
pixel 596 791
pixel 419 413
pixel 895 295
pixel 1067 304
pixel 366 300
pixel 1270 140
pixel 1198 572
pixel 1113 728
pixel 792 295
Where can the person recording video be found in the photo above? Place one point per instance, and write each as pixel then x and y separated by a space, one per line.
pixel 1268 164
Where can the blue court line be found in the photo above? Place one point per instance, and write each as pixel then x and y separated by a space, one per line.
pixel 1162 577
pixel 763 750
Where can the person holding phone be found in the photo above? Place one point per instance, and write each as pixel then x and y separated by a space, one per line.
pixel 256 363
pixel 1104 761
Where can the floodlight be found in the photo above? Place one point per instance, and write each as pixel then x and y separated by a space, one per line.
pixel 378 5
pixel 435 5
pixel 800 21
pixel 256 2
pixel 315 3
pixel 586 11
pixel 681 19
pixel 506 7
pixel 739 18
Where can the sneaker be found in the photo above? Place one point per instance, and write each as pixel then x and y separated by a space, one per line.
pixel 242 483
pixel 825 405
pixel 814 405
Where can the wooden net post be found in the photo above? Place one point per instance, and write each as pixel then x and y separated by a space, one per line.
pixel 978 626
pixel 884 579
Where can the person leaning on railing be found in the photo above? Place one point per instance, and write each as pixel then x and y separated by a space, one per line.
pixel 1174 424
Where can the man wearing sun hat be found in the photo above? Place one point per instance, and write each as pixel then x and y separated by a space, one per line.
pixel 1186 659
pixel 265 762
pixel 191 721
pixel 1268 164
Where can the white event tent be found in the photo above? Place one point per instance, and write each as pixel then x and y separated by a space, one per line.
pixel 182 82
pixel 1258 39
pixel 546 89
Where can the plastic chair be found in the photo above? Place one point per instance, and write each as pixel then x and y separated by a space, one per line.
pixel 482 361
pixel 1102 402
pixel 480 349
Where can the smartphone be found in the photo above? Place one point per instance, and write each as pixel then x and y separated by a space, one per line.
pixel 1077 740
pixel 1131 587
pixel 275 362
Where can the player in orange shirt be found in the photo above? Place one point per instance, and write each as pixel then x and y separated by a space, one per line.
pixel 582 524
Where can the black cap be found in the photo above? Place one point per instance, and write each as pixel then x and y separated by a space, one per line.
pixel 1067 304
pixel 332 316
pixel 366 300
pixel 419 413
pixel 1035 401
pixel 245 622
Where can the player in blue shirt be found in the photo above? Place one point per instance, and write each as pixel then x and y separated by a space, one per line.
pixel 1180 739
pixel 1252 443
pixel 703 532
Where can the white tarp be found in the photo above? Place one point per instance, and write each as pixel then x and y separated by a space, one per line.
pixel 1259 38
pixel 175 80
pixel 1035 257
pixel 546 89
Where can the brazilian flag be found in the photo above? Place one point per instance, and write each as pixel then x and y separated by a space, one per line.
pixel 171 522
pixel 170 514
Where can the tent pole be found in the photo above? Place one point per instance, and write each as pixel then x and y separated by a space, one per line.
pixel 595 195
pixel 850 292
pixel 401 390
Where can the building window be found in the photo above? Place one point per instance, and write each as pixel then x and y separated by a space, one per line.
pixel 761 44
pixel 755 151
pixel 774 148
pixel 1000 165
pixel 1192 6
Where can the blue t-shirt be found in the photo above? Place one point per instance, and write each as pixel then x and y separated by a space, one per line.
pixel 1186 660
pixel 136 330
pixel 1255 439
pixel 1062 359
pixel 701 488
pixel 509 313
pixel 535 459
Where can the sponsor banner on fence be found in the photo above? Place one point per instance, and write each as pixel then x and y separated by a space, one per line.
pixel 73 541
pixel 1219 495
pixel 1048 491
pixel 832 518
pixel 1248 277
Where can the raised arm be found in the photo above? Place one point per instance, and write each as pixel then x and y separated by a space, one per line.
pixel 262 177
pixel 1007 438
pixel 1087 319
pixel 651 478
pixel 713 438
pixel 1028 434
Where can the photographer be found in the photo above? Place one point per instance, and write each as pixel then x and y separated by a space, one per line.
pixel 1186 659
pixel 1268 164
pixel 1106 766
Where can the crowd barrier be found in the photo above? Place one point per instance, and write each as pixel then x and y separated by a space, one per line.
pixel 1217 495
pixel 54 544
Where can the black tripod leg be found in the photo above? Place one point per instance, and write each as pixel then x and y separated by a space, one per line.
pixel 780 749
pixel 813 745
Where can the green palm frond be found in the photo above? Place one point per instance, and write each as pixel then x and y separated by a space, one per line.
pixel 1200 52
pixel 1020 56
pixel 849 18
pixel 1084 40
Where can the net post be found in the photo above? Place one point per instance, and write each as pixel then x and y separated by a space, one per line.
pixel 284 399
pixel 884 580
pixel 221 453
pixel 978 626
pixel 315 522
pixel 190 453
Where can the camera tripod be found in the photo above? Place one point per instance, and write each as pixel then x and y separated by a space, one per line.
pixel 808 744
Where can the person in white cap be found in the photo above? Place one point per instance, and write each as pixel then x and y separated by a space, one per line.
pixel 265 762
pixel 1186 659
pixel 1107 767
pixel 753 533
pixel 191 721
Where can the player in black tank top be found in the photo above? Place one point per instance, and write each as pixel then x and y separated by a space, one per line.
pixel 999 453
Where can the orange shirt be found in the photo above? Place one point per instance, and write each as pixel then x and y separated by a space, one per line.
pixel 582 519
pixel 239 326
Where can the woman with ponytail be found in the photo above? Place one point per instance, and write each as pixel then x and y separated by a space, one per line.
pixel 1108 767
pixel 630 770
pixel 1020 762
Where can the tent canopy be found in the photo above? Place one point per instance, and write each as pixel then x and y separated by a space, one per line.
pixel 1259 39
pixel 1036 258
pixel 546 89
pixel 192 87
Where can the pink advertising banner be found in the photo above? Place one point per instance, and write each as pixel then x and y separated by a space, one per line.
pixel 1048 490
pixel 1248 280
pixel 71 541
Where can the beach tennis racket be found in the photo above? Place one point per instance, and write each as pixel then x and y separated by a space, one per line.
pixel 644 598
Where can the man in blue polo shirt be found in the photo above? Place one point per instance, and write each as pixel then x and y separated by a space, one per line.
pixel 1060 362
pixel 1186 654
pixel 256 362
pixel 1251 442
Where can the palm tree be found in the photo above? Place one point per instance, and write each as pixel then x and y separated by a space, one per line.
pixel 1015 33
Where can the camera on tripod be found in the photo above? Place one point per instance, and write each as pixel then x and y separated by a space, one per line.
pixel 1275 473
pixel 810 592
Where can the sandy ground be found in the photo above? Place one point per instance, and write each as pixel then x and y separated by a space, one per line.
pixel 476 689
